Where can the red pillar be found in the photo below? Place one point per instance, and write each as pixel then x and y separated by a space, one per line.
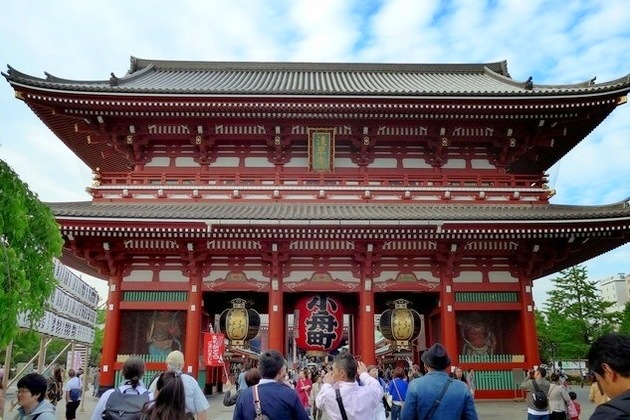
pixel 366 310
pixel 276 318
pixel 366 327
pixel 447 313
pixel 111 335
pixel 528 322
pixel 193 326
pixel 276 305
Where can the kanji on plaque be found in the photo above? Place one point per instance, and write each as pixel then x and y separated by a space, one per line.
pixel 213 349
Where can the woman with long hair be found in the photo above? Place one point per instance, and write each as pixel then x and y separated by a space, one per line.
pixel 303 388
pixel 170 400
pixel 55 386
pixel 133 371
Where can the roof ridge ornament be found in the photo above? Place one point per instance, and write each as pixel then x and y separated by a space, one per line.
pixel 529 83
pixel 113 80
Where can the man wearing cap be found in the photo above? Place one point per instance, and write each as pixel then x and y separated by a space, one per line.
pixel 436 395
pixel 196 401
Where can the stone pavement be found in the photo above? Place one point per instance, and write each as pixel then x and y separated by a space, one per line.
pixel 503 409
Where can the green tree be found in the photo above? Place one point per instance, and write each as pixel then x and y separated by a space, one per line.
pixel 29 240
pixel 26 345
pixel 97 345
pixel 624 327
pixel 576 314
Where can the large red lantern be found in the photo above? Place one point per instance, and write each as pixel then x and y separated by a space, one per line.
pixel 319 324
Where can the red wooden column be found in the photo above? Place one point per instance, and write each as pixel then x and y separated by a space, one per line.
pixel 193 324
pixel 366 312
pixel 276 306
pixel 447 312
pixel 111 335
pixel 528 322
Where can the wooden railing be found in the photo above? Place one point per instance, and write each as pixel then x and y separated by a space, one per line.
pixel 287 179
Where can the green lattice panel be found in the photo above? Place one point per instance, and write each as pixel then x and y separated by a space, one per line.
pixel 155 296
pixel 486 297
pixel 491 358
pixel 146 379
pixel 495 380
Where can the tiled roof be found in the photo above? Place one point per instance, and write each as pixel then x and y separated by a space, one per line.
pixel 312 79
pixel 373 213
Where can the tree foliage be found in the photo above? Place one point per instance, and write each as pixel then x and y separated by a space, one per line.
pixel 97 345
pixel 29 240
pixel 575 315
pixel 624 327
pixel 26 345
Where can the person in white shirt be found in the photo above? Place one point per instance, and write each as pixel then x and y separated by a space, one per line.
pixel 359 401
pixel 71 387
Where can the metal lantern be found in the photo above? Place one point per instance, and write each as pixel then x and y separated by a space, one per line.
pixel 318 323
pixel 400 325
pixel 239 323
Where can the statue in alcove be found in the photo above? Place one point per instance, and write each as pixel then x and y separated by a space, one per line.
pixel 477 333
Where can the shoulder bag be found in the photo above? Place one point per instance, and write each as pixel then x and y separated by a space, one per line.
pixel 342 410
pixel 437 402
pixel 402 402
pixel 259 413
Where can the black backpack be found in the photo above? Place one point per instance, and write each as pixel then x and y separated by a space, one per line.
pixel 540 398
pixel 125 405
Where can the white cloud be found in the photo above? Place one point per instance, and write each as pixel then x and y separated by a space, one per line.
pixel 555 42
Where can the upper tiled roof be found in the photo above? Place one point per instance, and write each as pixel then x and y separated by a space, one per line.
pixel 312 79
pixel 374 213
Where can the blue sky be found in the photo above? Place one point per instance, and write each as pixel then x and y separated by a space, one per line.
pixel 555 42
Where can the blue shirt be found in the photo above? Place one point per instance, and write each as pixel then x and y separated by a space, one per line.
pixel 277 401
pixel 457 402
pixel 397 386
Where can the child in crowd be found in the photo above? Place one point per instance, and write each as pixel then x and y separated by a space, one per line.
pixel 574 412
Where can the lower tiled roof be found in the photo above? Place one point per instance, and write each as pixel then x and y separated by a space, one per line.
pixel 373 212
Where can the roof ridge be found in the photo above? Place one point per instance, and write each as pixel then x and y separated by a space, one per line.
pixel 140 63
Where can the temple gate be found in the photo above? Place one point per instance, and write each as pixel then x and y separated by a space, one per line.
pixel 367 182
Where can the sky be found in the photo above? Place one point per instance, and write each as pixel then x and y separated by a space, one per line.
pixel 555 42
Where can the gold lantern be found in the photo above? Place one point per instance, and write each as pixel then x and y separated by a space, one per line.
pixel 239 323
pixel 400 325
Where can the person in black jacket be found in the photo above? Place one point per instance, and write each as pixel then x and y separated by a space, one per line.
pixel 608 359
pixel 277 400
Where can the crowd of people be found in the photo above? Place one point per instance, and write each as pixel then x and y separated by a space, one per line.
pixel 347 389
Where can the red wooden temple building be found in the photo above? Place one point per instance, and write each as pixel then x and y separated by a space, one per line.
pixel 353 184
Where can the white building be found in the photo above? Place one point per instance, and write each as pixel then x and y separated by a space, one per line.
pixel 616 289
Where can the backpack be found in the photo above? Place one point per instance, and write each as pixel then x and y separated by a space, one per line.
pixel 539 397
pixel 123 405
pixel 75 394
pixel 572 410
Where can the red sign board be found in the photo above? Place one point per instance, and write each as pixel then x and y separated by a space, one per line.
pixel 213 349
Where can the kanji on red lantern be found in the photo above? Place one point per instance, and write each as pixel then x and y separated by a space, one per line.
pixel 319 322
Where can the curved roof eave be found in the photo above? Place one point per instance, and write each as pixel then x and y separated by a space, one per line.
pixel 403 214
pixel 374 80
